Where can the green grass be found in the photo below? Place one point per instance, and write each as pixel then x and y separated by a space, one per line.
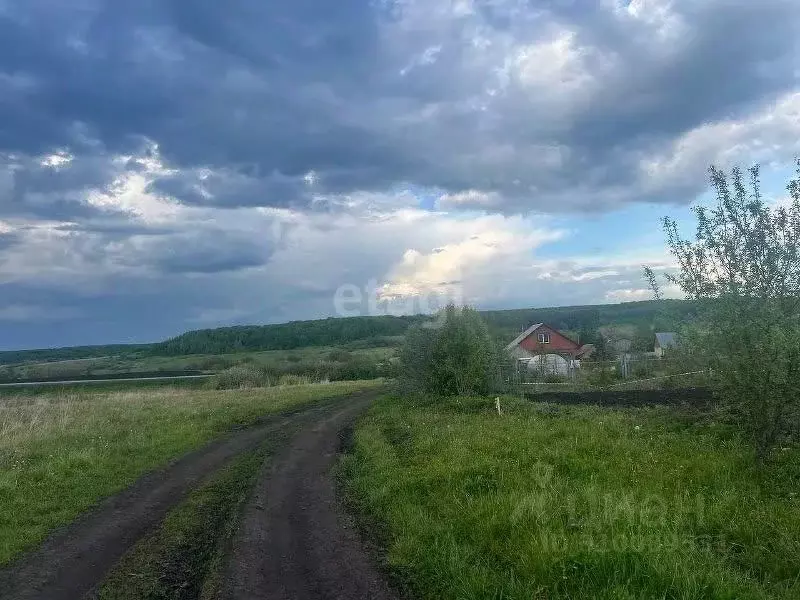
pixel 108 386
pixel 279 360
pixel 60 453
pixel 573 502
pixel 184 558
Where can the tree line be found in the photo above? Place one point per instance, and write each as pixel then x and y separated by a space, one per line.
pixel 371 331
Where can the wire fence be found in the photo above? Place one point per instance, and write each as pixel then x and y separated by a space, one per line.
pixel 628 371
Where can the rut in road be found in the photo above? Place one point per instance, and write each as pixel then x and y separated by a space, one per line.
pixel 71 562
pixel 294 541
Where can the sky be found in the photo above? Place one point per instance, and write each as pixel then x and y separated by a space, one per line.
pixel 168 165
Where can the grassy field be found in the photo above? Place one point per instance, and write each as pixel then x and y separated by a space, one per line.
pixel 309 360
pixel 573 502
pixel 60 453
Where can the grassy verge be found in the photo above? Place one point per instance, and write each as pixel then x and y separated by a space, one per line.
pixel 185 557
pixel 573 502
pixel 60 453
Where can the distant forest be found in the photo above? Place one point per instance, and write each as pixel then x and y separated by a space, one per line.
pixel 365 332
pixel 660 315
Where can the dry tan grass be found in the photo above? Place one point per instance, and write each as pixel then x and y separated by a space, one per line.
pixel 24 419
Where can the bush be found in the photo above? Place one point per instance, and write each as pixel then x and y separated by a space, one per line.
pixel 642 369
pixel 339 355
pixel 603 376
pixel 389 369
pixel 289 379
pixel 241 377
pixel 453 356
pixel 743 271
pixel 354 370
pixel 215 363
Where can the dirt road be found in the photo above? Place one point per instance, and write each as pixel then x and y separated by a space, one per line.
pixel 293 542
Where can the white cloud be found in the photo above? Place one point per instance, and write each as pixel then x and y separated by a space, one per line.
pixel 638 294
pixel 628 295
pixel 427 57
pixel 589 275
pixel 469 199
pixel 554 68
pixel 129 192
pixel 450 266
pixel 56 160
pixel 770 135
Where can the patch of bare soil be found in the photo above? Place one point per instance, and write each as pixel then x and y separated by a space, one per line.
pixel 692 397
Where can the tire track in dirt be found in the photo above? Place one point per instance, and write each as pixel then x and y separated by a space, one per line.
pixel 76 558
pixel 294 540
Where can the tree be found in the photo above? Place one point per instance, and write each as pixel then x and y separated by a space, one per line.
pixel 643 338
pixel 586 335
pixel 743 268
pixel 601 349
pixel 453 356
pixel 415 358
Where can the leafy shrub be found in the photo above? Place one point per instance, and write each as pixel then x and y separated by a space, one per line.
pixel 389 369
pixel 307 367
pixel 339 355
pixel 453 356
pixel 743 270
pixel 289 379
pixel 603 376
pixel 241 377
pixel 642 369
pixel 215 363
pixel 355 370
pixel 374 342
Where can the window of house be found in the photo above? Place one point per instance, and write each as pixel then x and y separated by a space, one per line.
pixel 544 338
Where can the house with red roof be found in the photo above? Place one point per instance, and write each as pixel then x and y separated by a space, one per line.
pixel 544 348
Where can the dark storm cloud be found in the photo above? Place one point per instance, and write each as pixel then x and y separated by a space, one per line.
pixel 213 84
pixel 205 252
pixel 284 88
pixel 29 188
pixel 739 53
pixel 126 313
pixel 232 188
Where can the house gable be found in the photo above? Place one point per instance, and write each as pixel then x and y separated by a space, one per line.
pixel 543 339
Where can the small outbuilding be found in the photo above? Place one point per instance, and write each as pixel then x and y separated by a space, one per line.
pixel 665 341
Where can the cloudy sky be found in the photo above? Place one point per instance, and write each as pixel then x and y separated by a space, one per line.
pixel 172 164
